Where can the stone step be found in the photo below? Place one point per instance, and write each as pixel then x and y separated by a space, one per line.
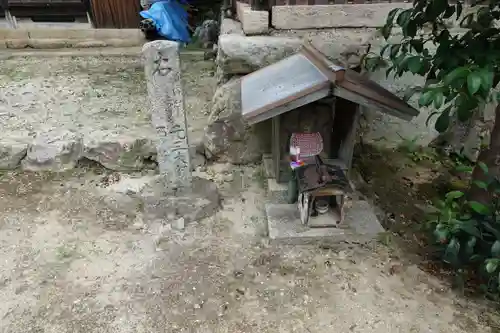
pixel 360 225
pixel 276 192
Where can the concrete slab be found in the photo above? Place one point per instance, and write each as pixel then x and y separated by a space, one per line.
pixel 267 162
pixel 333 16
pixel 254 22
pixel 276 192
pixel 285 227
pixel 360 216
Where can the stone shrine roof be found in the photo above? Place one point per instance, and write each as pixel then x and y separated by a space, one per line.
pixel 306 77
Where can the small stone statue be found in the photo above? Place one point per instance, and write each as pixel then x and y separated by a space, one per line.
pixel 206 34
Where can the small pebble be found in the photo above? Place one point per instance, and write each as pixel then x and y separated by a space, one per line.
pixel 180 224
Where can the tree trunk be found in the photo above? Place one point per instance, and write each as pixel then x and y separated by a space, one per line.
pixel 462 138
pixel 490 156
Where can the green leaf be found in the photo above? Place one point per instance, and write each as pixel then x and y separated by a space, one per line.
pixel 382 51
pixel 486 79
pixel 491 229
pixel 410 91
pixel 480 184
pixel 386 31
pixel 388 71
pixel 392 14
pixel 418 45
pixel 441 235
pixel 443 121
pixel 426 98
pixel 451 253
pixel 495 249
pixel 394 50
pixel 411 29
pixel 479 208
pixel 474 81
pixel 467 20
pixel 464 168
pixel 483 167
pixel 439 6
pixel 404 17
pixel 454 195
pixel 449 12
pixel 414 64
pixel 427 121
pixel 459 9
pixel 438 99
pixel 372 63
pixel 455 74
pixel 491 265
pixel 469 246
pixel 468 226
pixel 465 106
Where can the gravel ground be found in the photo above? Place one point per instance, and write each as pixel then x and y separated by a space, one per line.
pixel 73 263
pixel 100 99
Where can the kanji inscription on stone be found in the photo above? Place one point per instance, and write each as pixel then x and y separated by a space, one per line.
pixel 166 103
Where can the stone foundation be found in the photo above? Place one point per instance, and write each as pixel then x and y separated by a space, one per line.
pixel 52 38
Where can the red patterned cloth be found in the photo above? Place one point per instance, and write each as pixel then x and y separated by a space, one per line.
pixel 310 144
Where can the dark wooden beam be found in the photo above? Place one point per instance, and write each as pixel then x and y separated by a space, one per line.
pixel 259 4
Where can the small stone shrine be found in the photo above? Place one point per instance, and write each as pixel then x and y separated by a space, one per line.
pixel 175 193
pixel 314 106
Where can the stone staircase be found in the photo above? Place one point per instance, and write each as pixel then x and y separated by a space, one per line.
pixel 360 224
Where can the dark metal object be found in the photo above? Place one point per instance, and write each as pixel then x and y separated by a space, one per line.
pixel 47 10
pixel 259 4
pixel 312 177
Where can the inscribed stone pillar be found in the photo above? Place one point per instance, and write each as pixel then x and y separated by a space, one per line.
pixel 166 103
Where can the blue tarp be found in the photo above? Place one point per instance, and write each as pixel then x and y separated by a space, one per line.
pixel 170 19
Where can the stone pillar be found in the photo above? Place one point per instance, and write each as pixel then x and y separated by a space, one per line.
pixel 166 105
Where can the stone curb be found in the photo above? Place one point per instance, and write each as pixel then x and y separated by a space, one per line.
pixel 46 38
pixel 98 51
pixel 77 52
pixel 81 34
pixel 46 43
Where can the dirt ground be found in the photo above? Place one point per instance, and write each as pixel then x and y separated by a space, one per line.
pixel 72 261
pixel 95 96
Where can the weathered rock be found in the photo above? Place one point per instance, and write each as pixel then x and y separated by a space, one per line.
pixel 124 42
pixel 118 152
pixel 342 46
pixel 242 55
pixel 230 26
pixel 201 201
pixel 47 43
pixel 254 22
pixel 17 43
pixel 53 151
pixel 206 34
pixel 197 155
pixel 221 77
pixel 227 137
pixel 11 154
pixel 88 43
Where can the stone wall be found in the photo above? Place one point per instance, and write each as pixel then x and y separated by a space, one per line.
pixel 341 32
pixel 49 38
